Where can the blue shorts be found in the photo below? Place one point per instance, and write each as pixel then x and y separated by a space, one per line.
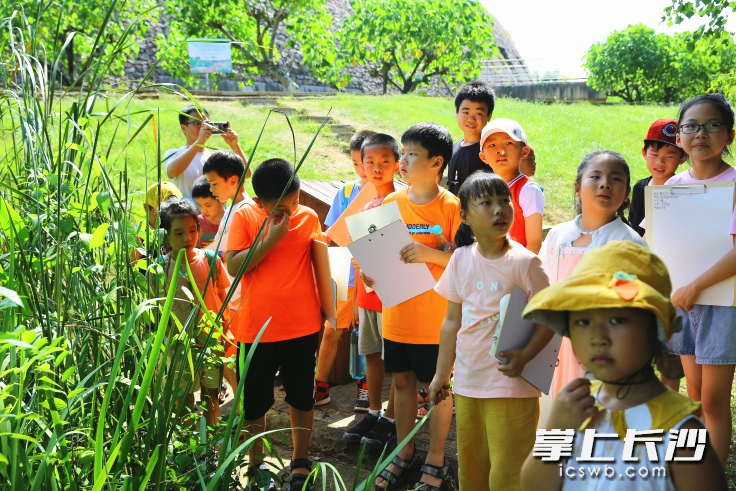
pixel 708 333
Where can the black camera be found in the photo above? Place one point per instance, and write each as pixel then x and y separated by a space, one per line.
pixel 219 127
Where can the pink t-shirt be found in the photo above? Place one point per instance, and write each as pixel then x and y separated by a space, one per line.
pixel 725 176
pixel 478 284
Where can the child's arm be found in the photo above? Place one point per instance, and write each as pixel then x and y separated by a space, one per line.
pixel 725 268
pixel 705 474
pixel 276 232
pixel 445 361
pixel 518 358
pixel 420 253
pixel 533 229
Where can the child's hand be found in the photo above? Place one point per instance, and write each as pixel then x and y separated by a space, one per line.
pixel 515 364
pixel 572 406
pixel 415 253
pixel 356 266
pixel 685 297
pixel 366 280
pixel 356 316
pixel 439 389
pixel 278 227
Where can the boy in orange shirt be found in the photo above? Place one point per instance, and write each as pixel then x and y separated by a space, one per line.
pixel 278 284
pixel 411 329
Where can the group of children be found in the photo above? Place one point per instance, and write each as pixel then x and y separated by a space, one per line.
pixel 609 297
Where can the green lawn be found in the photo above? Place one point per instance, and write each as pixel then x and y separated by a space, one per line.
pixel 562 134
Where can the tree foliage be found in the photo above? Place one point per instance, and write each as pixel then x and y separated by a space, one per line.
pixel 254 26
pixel 408 42
pixel 639 65
pixel 715 12
pixel 69 31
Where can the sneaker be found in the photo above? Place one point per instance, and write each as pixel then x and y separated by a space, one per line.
pixel 358 431
pixel 382 433
pixel 361 402
pixel 321 393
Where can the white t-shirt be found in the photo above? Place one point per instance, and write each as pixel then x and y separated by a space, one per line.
pixel 531 199
pixel 185 180
pixel 478 283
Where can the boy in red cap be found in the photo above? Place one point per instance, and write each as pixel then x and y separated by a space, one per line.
pixel 663 157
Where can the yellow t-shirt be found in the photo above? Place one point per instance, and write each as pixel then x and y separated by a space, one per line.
pixel 419 320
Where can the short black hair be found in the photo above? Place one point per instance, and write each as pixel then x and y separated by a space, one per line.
pixel 225 164
pixel 476 91
pixel 434 137
pixel 271 177
pixel 658 144
pixel 201 188
pixel 174 208
pixel 185 114
pixel 356 141
pixel 383 140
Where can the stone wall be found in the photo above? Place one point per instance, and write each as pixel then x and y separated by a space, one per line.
pixel 291 59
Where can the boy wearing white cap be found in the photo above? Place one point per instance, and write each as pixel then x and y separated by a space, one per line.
pixel 503 144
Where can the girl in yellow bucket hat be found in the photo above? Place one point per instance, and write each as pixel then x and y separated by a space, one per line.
pixel 615 309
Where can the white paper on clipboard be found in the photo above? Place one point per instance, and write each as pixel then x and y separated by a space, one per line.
pixel 364 223
pixel 688 227
pixel 514 333
pixel 340 267
pixel 379 258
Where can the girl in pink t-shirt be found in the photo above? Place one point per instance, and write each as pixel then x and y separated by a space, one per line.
pixel 497 410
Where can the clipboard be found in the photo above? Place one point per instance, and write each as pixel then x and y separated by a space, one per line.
pixel 338 232
pixel 514 333
pixel 367 222
pixel 379 258
pixel 688 227
pixel 326 291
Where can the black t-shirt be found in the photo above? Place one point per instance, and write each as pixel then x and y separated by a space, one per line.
pixel 464 161
pixel 636 209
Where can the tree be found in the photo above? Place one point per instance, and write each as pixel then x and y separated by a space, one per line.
pixel 81 34
pixel 639 65
pixel 714 11
pixel 254 26
pixel 407 42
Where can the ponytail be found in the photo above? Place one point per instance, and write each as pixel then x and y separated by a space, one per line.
pixel 464 236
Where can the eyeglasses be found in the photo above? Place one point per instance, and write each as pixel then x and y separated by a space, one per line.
pixel 197 124
pixel 692 128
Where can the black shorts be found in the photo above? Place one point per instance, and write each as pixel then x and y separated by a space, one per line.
pixel 295 360
pixel 419 358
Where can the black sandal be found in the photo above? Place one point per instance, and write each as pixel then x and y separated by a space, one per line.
pixel 300 482
pixel 260 478
pixel 393 481
pixel 443 473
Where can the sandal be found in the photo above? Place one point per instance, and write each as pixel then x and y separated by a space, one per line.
pixel 299 482
pixel 422 409
pixel 443 473
pixel 393 481
pixel 222 396
pixel 260 478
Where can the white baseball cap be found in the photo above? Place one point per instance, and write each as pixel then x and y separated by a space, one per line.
pixel 503 125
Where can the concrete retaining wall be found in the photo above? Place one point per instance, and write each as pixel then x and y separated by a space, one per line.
pixel 552 92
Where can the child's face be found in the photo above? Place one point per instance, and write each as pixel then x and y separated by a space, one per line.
pixel 211 209
pixel 183 234
pixel 528 164
pixel 287 206
pixel 662 164
pixel 503 154
pixel 221 188
pixel 611 343
pixel 380 164
pixel 471 118
pixel 604 185
pixel 357 163
pixel 152 214
pixel 489 216
pixel 702 145
pixel 416 166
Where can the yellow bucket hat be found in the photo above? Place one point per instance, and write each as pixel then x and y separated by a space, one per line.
pixel 168 189
pixel 620 274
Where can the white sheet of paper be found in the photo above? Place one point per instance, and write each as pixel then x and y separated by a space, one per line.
pixel 361 224
pixel 340 267
pixel 515 333
pixel 379 258
pixel 690 231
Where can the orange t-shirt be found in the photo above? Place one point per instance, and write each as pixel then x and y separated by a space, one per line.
pixel 419 320
pixel 282 285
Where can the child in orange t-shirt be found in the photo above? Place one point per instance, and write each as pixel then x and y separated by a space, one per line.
pixel 411 329
pixel 279 289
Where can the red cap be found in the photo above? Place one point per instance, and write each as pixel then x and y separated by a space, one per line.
pixel 662 130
